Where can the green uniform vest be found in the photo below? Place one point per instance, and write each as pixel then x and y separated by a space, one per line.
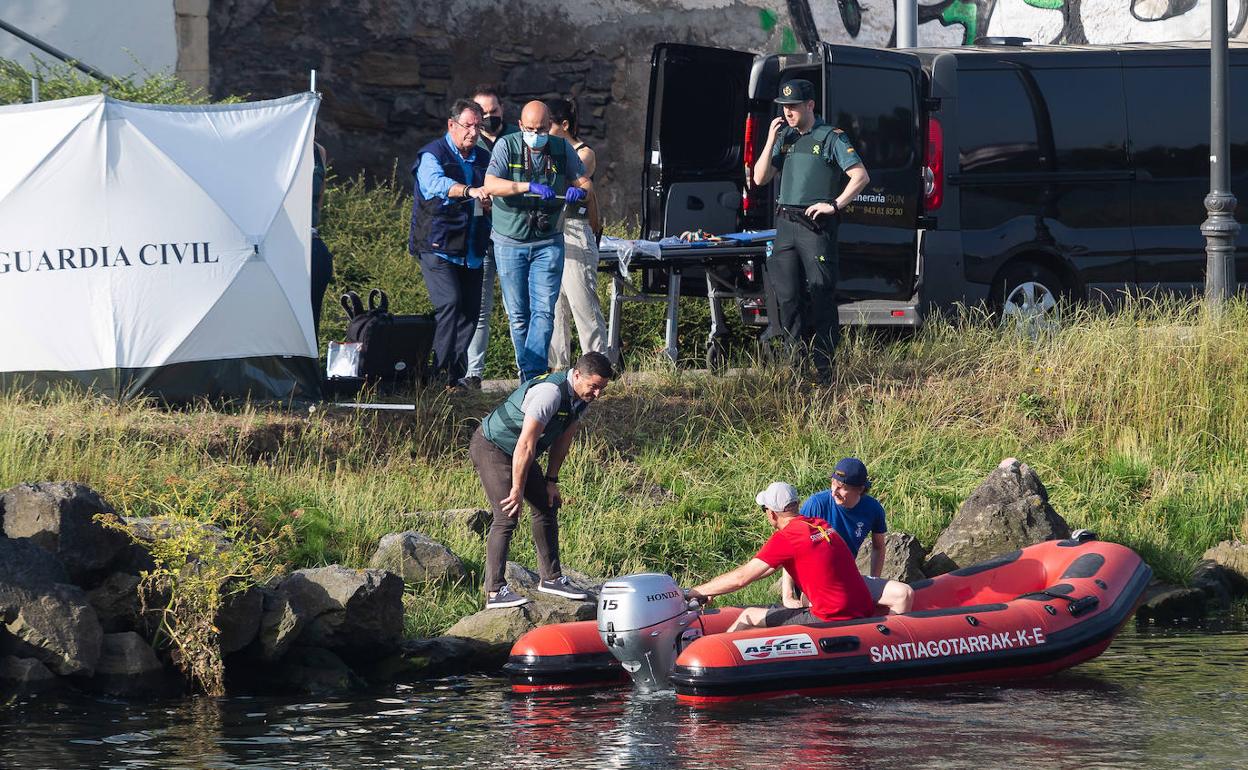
pixel 502 426
pixel 514 214
pixel 811 169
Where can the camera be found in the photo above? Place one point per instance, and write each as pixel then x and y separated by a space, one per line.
pixel 539 220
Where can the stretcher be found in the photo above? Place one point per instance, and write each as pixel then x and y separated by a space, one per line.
pixel 732 265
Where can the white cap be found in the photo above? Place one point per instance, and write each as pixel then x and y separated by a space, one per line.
pixel 777 496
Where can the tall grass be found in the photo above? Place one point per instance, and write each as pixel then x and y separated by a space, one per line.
pixel 1137 423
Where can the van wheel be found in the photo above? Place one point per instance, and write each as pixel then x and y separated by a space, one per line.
pixel 1028 298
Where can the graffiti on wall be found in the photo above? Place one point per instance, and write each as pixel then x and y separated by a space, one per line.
pixel 962 22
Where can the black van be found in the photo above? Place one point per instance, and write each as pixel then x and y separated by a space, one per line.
pixel 1011 174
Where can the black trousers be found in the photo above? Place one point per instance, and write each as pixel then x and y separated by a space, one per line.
pixel 494 468
pixel 455 292
pixel 801 273
pixel 322 274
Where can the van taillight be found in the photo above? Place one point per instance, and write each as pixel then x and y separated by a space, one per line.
pixel 934 166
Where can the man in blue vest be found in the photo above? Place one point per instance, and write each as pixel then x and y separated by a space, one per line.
pixel 450 230
pixel 542 414
pixel 803 268
pixel 532 174
pixel 854 514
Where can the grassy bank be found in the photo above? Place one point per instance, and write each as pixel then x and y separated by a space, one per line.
pixel 1137 423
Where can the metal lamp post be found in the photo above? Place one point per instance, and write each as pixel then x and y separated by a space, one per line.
pixel 1220 228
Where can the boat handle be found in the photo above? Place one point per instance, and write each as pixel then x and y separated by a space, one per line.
pixel 1080 606
pixel 839 643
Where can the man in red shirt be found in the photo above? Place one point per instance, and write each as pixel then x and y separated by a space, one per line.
pixel 812 552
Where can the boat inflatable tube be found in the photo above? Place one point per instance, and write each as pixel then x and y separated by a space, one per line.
pixel 1024 614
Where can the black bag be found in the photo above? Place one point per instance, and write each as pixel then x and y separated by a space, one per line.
pixel 393 349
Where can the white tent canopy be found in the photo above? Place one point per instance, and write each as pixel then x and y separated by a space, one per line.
pixel 158 249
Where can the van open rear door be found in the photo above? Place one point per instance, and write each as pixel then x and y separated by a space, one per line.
pixel 875 96
pixel 695 135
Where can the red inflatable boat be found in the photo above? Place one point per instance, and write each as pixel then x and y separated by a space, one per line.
pixel 1025 614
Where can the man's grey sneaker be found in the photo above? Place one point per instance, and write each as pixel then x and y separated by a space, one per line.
pixel 561 587
pixel 471 382
pixel 505 597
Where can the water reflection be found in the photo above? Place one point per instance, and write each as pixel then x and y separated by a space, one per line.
pixel 1157 698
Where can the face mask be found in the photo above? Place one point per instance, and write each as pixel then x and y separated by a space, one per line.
pixel 492 124
pixel 535 140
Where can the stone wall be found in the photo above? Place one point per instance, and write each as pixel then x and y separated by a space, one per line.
pixel 388 69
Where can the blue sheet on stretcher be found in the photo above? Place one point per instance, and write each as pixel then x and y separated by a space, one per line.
pixel 757 236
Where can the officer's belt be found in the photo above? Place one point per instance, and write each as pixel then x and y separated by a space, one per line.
pixel 798 214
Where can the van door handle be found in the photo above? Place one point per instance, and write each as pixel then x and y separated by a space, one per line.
pixel 694 203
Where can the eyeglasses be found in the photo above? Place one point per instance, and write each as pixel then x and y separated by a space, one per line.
pixel 472 127
pixel 541 132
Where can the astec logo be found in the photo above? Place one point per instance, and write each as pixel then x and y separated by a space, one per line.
pixel 793 646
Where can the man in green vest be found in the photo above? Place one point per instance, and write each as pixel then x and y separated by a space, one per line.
pixel 802 269
pixel 531 175
pixel 542 414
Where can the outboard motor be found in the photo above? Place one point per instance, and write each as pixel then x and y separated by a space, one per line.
pixel 645 622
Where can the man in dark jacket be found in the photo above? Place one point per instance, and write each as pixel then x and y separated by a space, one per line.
pixel 450 230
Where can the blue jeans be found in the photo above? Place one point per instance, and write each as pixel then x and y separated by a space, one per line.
pixel 530 278
pixel 481 337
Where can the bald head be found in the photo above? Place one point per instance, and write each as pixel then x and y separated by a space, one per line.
pixel 535 117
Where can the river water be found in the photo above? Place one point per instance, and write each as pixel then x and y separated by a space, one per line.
pixel 1160 698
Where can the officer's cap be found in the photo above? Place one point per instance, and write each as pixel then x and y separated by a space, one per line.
pixel 796 92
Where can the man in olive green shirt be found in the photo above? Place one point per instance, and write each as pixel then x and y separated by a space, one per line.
pixel 802 269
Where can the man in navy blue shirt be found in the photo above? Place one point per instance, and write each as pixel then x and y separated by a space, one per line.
pixel 854 514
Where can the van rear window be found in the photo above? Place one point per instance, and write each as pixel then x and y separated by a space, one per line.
pixel 877 108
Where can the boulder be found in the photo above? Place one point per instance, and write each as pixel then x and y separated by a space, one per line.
pixel 352 612
pixel 1007 511
pixel 238 620
pixel 59 517
pixel 438 656
pixel 903 557
pixel 25 564
pixel 417 558
pixel 54 624
pixel 1166 604
pixel 496 630
pixel 128 667
pixel 476 520
pixel 280 624
pixel 524 581
pixel 1232 556
pixel 314 671
pixel 1215 581
pixel 116 602
pixel 21 676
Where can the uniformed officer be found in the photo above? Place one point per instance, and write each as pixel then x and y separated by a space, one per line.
pixel 802 270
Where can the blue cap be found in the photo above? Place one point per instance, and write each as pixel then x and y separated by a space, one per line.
pixel 851 472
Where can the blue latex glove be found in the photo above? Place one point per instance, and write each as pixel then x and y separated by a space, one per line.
pixel 541 190
pixel 574 195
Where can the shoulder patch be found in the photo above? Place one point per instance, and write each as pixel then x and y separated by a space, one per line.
pixel 837 131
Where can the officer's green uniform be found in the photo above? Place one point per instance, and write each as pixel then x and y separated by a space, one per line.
pixel 802 270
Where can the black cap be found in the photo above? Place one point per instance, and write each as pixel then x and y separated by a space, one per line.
pixel 796 92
